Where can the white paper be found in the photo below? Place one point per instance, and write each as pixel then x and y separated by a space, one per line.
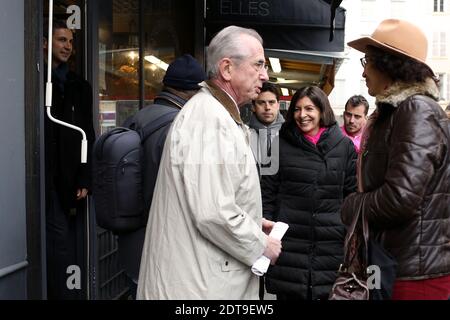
pixel 262 264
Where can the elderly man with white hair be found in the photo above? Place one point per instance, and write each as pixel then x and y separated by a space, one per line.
pixel 205 227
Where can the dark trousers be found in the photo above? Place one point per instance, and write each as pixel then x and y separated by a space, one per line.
pixel 261 288
pixel 133 288
pixel 61 249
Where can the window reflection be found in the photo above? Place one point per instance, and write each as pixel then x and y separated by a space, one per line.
pixel 118 62
pixel 168 31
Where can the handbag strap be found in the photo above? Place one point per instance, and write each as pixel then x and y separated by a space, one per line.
pixel 365 228
pixel 359 216
pixel 359 219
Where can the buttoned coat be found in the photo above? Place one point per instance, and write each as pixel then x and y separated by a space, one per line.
pixel 204 227
pixel 64 171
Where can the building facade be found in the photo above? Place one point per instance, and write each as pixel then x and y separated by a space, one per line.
pixel 109 38
pixel 363 16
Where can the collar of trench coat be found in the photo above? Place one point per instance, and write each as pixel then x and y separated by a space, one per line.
pixel 225 100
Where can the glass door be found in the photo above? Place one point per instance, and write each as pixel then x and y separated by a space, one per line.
pixel 132 44
pixel 77 274
pixel 158 31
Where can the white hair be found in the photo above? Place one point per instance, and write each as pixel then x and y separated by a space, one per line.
pixel 227 44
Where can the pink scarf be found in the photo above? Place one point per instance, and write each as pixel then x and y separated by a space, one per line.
pixel 315 138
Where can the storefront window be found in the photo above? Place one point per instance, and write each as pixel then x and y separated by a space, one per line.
pixel 118 62
pixel 168 31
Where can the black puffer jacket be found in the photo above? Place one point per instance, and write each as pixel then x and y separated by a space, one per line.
pixel 406 175
pixel 307 193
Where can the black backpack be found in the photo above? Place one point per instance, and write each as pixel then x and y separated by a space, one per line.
pixel 117 176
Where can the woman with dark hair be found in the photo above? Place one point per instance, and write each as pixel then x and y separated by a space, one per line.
pixel 404 167
pixel 316 172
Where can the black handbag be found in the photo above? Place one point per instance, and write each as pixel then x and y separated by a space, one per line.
pixel 388 267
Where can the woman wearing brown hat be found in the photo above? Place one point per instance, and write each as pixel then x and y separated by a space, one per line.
pixel 404 166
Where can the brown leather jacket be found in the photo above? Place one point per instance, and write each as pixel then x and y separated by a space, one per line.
pixel 405 172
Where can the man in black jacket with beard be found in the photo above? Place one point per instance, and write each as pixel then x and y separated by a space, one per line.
pixel 67 179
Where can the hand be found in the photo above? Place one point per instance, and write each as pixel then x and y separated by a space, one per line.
pixel 82 193
pixel 267 225
pixel 273 249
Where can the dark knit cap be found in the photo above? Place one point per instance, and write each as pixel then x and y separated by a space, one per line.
pixel 184 73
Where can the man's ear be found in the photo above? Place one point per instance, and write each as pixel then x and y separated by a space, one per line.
pixel 225 67
pixel 253 109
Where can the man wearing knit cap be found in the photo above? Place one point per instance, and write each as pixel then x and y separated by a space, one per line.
pixel 205 226
pixel 181 82
pixel 184 74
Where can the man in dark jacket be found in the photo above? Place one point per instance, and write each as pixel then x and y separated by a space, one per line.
pixel 67 179
pixel 180 84
pixel 265 122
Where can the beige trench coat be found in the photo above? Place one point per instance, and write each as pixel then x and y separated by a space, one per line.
pixel 204 228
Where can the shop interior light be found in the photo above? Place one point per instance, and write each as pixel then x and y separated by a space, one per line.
pixel 285 92
pixel 133 55
pixel 275 64
pixel 157 62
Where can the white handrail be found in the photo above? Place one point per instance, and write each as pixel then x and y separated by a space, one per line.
pixel 49 87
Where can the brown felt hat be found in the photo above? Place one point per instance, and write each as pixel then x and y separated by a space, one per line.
pixel 398 37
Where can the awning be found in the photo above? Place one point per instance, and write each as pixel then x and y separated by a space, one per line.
pixel 297 33
pixel 304 68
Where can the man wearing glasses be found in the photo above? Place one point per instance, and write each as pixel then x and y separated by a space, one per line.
pixel 355 118
pixel 265 122
pixel 205 226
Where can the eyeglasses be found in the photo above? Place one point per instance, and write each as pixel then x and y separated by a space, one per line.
pixel 363 61
pixel 260 65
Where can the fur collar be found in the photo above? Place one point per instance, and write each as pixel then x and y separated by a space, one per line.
pixel 400 91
